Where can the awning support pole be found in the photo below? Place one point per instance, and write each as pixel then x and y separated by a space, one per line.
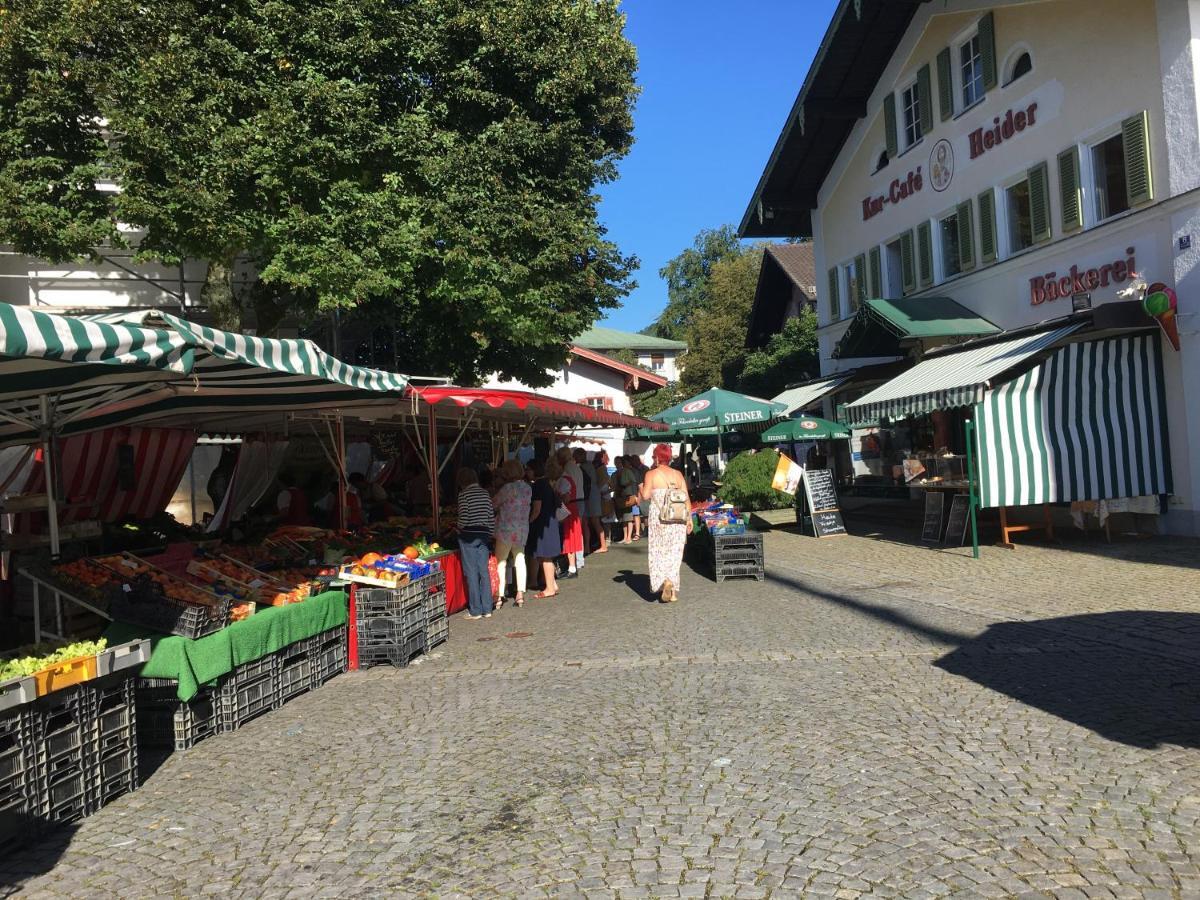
pixel 457 440
pixel 434 472
pixel 973 501
pixel 48 462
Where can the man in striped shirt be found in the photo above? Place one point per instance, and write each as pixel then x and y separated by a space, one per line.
pixel 476 522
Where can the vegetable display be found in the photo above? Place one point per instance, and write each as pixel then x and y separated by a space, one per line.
pixel 42 656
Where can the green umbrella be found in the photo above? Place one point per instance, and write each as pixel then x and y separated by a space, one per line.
pixel 805 428
pixel 718 409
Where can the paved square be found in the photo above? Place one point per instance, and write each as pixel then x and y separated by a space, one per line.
pixel 875 719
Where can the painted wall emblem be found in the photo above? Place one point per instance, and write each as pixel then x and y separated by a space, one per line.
pixel 941 165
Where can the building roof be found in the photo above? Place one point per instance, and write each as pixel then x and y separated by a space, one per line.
pixel 600 338
pixel 636 378
pixel 857 47
pixel 784 266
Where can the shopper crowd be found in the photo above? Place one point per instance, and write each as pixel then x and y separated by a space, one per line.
pixel 546 518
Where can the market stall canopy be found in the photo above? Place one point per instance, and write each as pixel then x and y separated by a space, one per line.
pixel 880 328
pixel 525 405
pixel 716 408
pixel 806 428
pixel 100 373
pixel 950 379
pixel 794 399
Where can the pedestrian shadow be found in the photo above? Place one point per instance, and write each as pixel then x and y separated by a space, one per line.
pixel 33 851
pixel 638 582
pixel 1131 676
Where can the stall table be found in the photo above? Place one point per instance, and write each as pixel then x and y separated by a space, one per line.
pixel 201 661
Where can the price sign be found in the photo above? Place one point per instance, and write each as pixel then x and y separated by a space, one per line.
pixel 821 495
pixel 935 504
pixel 956 524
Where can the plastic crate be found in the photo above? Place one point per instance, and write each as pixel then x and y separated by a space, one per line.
pixel 397 654
pixel 724 542
pixel 371 603
pixel 327 651
pixel 121 657
pixel 739 555
pixel 390 629
pixel 62 726
pixel 114 712
pixel 163 720
pixel 436 633
pixel 63 795
pixel 114 774
pixel 264 665
pixel 16 758
pixel 17 691
pixel 166 616
pixel 295 671
pixel 246 694
pixel 741 570
pixel 65 674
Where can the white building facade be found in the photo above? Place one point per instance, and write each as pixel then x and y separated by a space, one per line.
pixel 1010 156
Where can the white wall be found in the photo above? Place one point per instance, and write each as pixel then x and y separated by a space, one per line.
pixel 670 366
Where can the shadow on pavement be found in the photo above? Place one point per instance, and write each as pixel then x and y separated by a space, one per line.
pixel 1123 693
pixel 1129 676
pixel 638 582
pixel 35 853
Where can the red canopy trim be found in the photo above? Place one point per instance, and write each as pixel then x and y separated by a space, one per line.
pixel 497 398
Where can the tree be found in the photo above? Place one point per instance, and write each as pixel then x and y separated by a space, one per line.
pixel 790 355
pixel 717 338
pixel 651 403
pixel 430 164
pixel 687 278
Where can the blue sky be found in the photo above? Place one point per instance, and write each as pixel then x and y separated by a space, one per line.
pixel 717 79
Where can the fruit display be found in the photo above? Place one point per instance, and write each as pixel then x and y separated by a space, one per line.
pixel 31 660
pixel 127 566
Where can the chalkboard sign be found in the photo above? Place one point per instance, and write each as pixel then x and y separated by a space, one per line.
pixel 818 484
pixel 823 510
pixel 956 524
pixel 935 503
pixel 828 522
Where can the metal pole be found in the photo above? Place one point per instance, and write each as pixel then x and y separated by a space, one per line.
pixel 48 467
pixel 340 452
pixel 971 487
pixel 720 449
pixel 434 473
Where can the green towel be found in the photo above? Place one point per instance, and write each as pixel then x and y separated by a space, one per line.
pixel 204 660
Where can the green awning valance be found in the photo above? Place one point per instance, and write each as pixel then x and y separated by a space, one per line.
pixel 880 326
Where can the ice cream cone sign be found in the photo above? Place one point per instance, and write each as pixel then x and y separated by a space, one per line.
pixel 1160 302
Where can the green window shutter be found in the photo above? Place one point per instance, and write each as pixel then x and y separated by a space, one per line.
pixel 1068 186
pixel 1039 203
pixel 925 94
pixel 987 227
pixel 1135 136
pixel 876 273
pixel 889 125
pixel 945 84
pixel 966 237
pixel 835 306
pixel 987 50
pixel 908 273
pixel 860 270
pixel 925 253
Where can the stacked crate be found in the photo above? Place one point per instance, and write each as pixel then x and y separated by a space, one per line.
pixel 327 652
pixel 739 556
pixel 166 721
pixel 249 691
pixel 394 623
pixel 67 754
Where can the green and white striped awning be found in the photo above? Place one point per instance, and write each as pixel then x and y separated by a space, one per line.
pixel 797 398
pixel 101 372
pixel 1087 424
pixel 949 380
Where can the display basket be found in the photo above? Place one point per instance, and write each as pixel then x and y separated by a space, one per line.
pixel 157 612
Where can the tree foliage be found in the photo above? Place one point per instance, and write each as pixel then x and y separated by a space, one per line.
pixel 651 403
pixel 791 355
pixel 431 164
pixel 717 338
pixel 687 278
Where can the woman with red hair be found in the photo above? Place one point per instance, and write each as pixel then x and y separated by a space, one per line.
pixel 669 521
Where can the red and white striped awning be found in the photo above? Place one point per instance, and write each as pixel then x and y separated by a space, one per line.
pixel 528 405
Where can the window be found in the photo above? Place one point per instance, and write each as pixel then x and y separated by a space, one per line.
pixel 598 402
pixel 1022 65
pixel 881 162
pixel 894 275
pixel 1108 178
pixel 1020 216
pixel 948 242
pixel 910 114
pixel 657 361
pixel 970 71
pixel 853 288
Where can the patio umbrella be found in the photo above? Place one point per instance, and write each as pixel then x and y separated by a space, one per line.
pixel 718 409
pixel 805 428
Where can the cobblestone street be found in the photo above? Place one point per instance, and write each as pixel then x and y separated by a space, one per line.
pixel 874 719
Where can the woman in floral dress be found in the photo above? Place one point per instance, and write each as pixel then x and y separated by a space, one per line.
pixel 666 539
pixel 512 526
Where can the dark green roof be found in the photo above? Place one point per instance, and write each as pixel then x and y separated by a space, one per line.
pixel 611 339
pixel 880 326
